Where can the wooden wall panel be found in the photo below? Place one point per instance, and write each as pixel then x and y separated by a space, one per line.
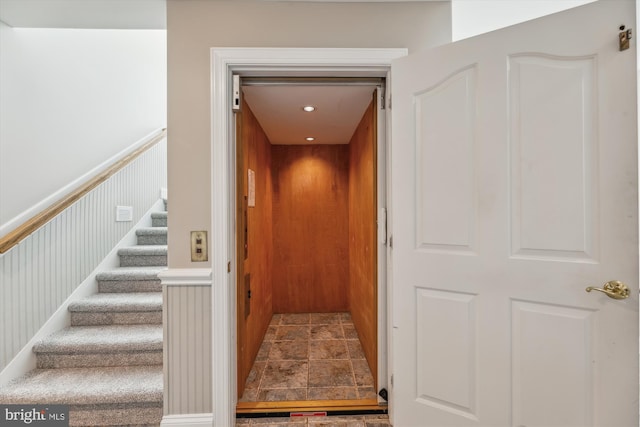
pixel 310 228
pixel 254 152
pixel 362 234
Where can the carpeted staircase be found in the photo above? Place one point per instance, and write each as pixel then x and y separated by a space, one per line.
pixel 108 364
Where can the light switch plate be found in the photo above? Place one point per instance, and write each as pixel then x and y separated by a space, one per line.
pixel 124 213
pixel 199 251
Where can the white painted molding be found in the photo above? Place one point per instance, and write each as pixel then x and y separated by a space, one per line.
pixel 25 360
pixel 285 62
pixel 67 189
pixel 186 277
pixel 282 62
pixel 192 420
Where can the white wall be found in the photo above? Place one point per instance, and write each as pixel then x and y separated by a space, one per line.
pixel 105 14
pixel 70 100
pixel 473 17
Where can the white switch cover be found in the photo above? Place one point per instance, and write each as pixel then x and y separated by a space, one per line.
pixel 124 213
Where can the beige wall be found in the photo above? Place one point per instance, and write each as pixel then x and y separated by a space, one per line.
pixel 194 26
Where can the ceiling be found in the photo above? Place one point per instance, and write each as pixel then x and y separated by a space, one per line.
pixel 339 110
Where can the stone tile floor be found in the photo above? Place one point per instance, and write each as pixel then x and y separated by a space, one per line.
pixel 331 421
pixel 315 356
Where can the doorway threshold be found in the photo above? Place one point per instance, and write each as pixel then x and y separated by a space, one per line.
pixel 331 407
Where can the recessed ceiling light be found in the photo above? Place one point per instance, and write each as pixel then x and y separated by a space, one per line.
pixel 309 108
pixel 310 138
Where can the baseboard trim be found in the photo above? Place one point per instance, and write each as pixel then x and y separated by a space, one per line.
pixel 192 420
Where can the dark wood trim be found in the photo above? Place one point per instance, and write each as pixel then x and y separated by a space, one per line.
pixel 40 219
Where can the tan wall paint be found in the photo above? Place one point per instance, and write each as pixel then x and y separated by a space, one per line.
pixel 194 26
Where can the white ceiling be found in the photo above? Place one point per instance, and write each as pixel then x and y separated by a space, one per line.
pixel 278 109
pixel 98 14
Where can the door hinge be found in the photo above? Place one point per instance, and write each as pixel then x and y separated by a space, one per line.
pixel 383 101
pixel 229 267
pixel 383 226
pixel 391 380
pixel 236 102
pixel 623 37
pixel 391 242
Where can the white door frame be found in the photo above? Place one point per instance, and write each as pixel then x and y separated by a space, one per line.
pixel 263 62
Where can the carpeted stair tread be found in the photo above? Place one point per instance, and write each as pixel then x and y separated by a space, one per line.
pixel 108 365
pixel 130 279
pixel 143 255
pixel 119 302
pixel 96 339
pixel 159 219
pixel 154 250
pixel 130 273
pixel 158 231
pixel 152 236
pixel 87 386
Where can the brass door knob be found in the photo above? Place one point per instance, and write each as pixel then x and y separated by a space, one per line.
pixel 613 289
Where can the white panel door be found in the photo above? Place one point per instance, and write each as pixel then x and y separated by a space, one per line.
pixel 514 186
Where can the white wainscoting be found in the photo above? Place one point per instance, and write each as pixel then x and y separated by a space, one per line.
pixel 187 344
pixel 40 273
